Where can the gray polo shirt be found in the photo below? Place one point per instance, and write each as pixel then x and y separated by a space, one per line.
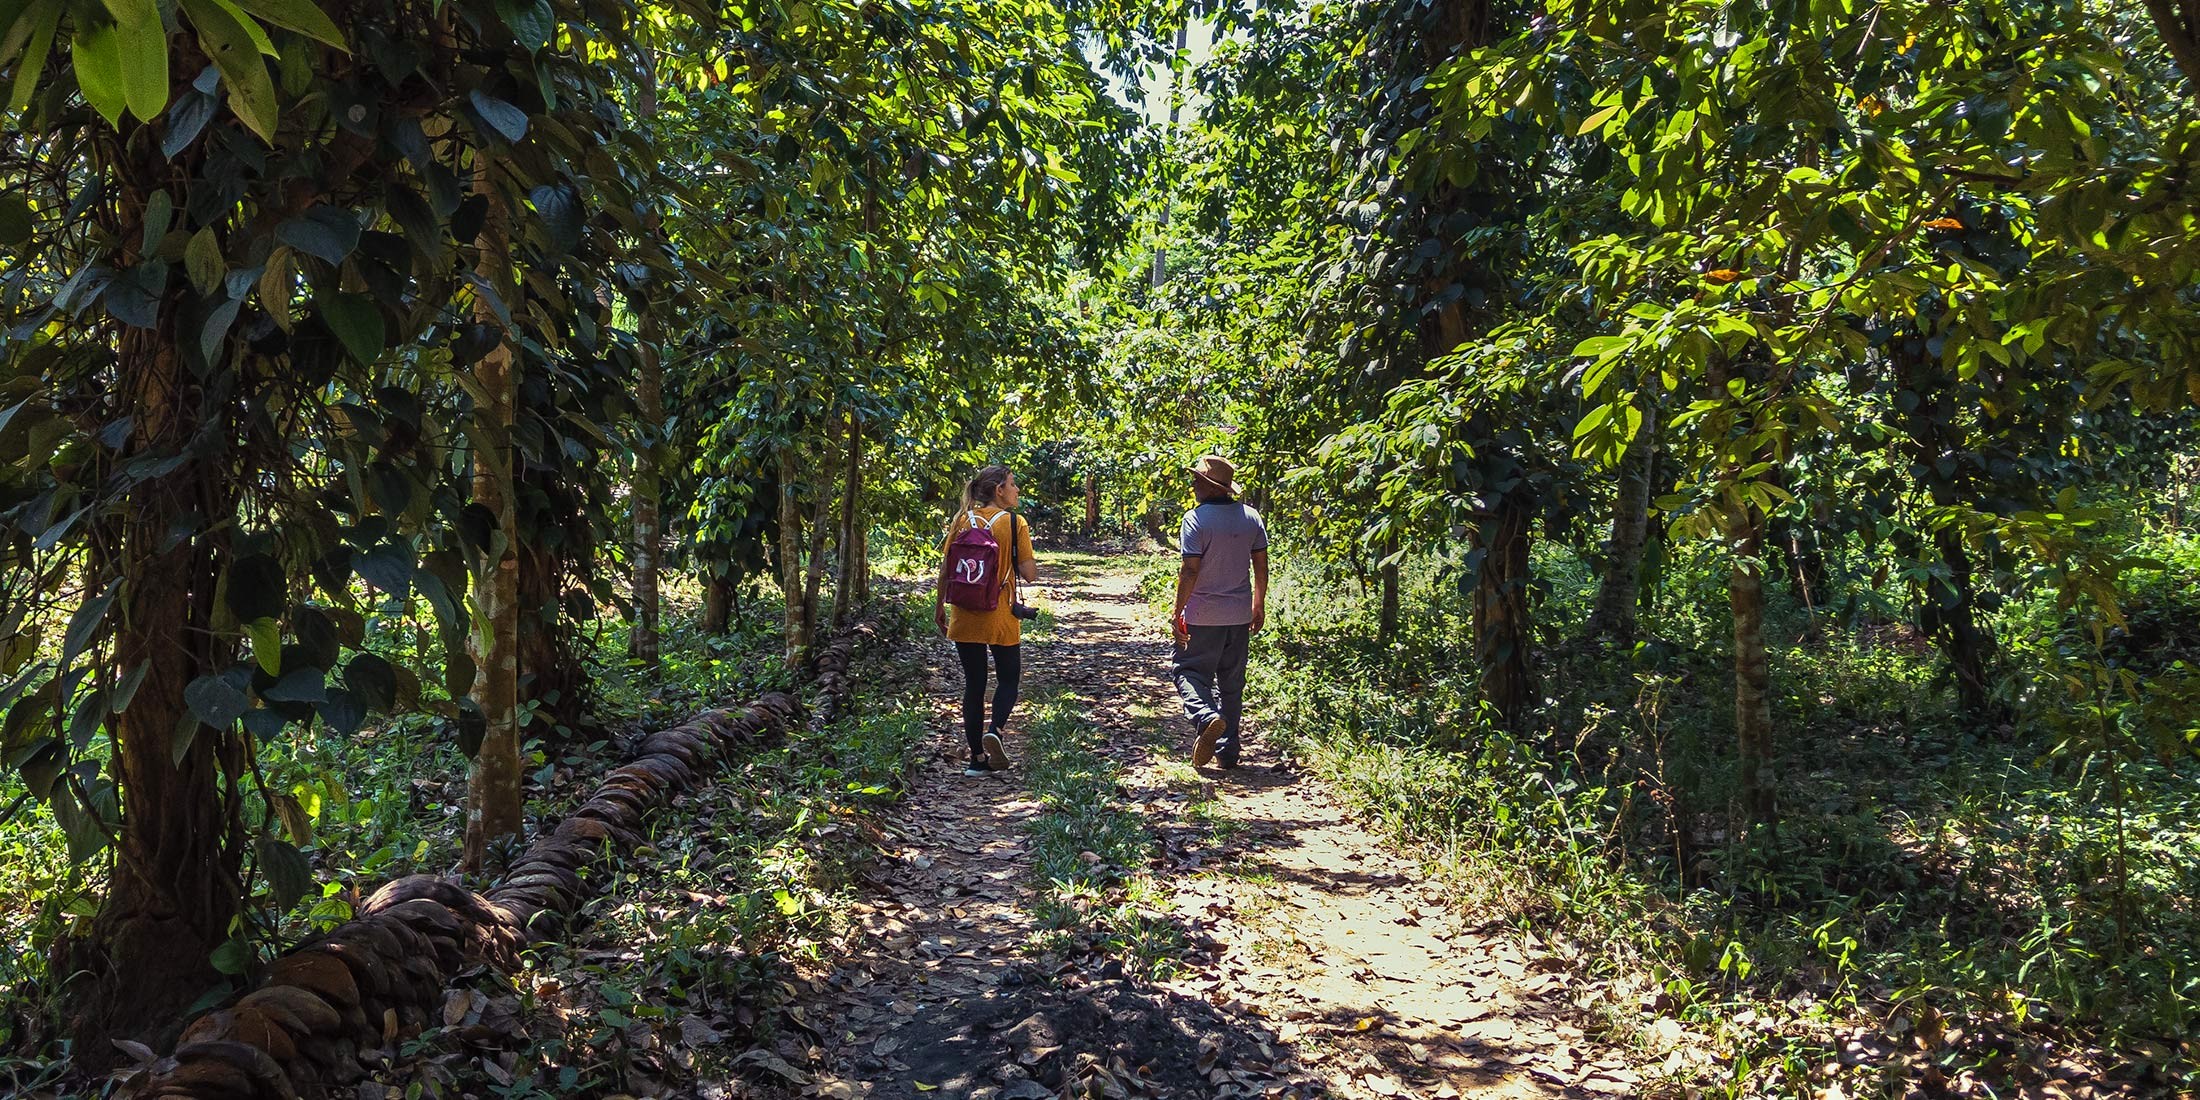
pixel 1224 536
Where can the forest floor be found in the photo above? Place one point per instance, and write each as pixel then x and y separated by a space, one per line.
pixel 1011 945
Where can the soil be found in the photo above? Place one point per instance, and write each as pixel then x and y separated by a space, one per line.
pixel 1320 962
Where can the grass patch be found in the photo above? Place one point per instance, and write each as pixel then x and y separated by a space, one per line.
pixel 1089 851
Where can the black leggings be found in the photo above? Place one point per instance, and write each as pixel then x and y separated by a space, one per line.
pixel 1008 665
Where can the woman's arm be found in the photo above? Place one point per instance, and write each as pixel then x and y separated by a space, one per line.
pixel 1027 564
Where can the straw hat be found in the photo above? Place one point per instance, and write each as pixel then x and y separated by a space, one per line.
pixel 1217 471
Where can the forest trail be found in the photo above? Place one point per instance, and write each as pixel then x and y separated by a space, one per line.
pixel 1313 961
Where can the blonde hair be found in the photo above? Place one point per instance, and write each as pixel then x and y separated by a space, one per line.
pixel 983 486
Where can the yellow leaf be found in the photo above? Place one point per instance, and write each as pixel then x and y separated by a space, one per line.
pixel 922 1087
pixel 1597 119
pixel 1366 1023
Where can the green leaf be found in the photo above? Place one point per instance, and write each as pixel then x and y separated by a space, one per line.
pixel 34 56
pixel 143 40
pixel 202 259
pixel 84 622
pixel 502 118
pixel 325 232
pixel 372 679
pixel 357 323
pixel 96 54
pixel 127 689
pixel 267 645
pixel 215 701
pixel 16 220
pixel 531 21
pixel 256 588
pixel 1597 120
pixel 231 958
pixel 233 50
pixel 303 684
pixel 289 876
pixel 297 15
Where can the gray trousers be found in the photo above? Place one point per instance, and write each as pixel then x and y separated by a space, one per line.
pixel 1210 680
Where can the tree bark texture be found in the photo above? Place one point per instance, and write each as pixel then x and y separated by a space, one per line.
pixel 649 458
pixel 1386 618
pixel 1614 614
pixel 554 535
pixel 493 804
pixel 1502 628
pixel 717 604
pixel 790 560
pixel 1092 504
pixel 813 573
pixel 1752 677
pixel 847 585
pixel 1948 612
pixel 176 883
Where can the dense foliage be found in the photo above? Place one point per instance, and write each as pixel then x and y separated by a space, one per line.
pixel 368 362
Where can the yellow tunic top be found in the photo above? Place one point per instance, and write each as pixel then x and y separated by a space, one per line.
pixel 998 626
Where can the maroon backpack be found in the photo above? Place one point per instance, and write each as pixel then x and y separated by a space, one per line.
pixel 973 578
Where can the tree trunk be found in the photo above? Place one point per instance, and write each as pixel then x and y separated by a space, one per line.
pixel 1092 504
pixel 1752 677
pixel 552 529
pixel 717 604
pixel 175 885
pixel 493 803
pixel 1502 638
pixel 846 586
pixel 790 560
pixel 814 573
pixel 1386 621
pixel 1614 614
pixel 1970 648
pixel 1948 613
pixel 649 400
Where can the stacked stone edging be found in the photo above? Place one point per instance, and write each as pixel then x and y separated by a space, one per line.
pixel 360 988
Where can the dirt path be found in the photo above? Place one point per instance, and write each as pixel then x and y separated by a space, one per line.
pixel 1315 961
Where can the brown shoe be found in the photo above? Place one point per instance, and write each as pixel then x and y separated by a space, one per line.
pixel 1203 748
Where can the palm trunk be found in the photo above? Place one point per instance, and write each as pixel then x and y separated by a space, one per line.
pixel 1617 594
pixel 493 804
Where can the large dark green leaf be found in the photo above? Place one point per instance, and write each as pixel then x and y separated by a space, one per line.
pixel 389 567
pixel 256 588
pixel 216 701
pixel 326 232
pixel 230 44
pixel 302 684
pixel 560 207
pixel 289 876
pixel 499 117
pixel 357 323
pixel 373 680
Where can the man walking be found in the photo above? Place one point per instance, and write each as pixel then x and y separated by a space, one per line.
pixel 1221 601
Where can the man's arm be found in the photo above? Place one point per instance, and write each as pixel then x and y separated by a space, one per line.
pixel 1260 589
pixel 1187 576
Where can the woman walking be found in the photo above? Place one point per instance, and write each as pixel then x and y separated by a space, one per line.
pixel 986 554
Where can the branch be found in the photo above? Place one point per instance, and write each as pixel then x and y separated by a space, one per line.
pixel 2177 34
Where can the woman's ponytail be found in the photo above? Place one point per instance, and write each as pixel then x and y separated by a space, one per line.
pixel 980 490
